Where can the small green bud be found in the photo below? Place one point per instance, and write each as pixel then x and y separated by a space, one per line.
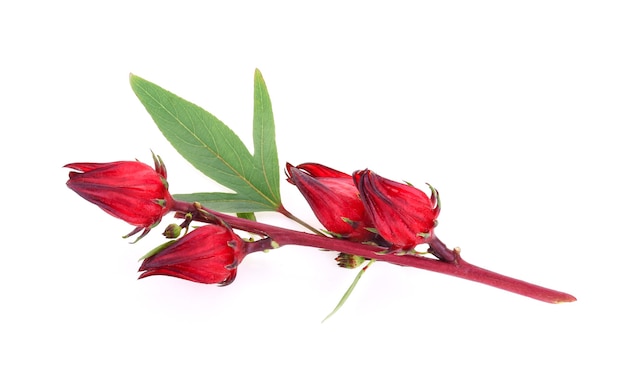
pixel 172 231
pixel 346 260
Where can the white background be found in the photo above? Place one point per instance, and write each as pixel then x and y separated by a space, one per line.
pixel 514 112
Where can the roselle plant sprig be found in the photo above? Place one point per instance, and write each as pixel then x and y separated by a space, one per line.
pixel 365 217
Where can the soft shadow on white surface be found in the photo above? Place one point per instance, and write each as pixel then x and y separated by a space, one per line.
pixel 512 112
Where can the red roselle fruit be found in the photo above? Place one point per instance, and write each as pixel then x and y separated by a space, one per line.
pixel 402 214
pixel 334 199
pixel 129 190
pixel 209 254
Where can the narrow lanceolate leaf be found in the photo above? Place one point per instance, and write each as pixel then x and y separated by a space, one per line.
pixel 215 150
pixel 265 153
pixel 346 295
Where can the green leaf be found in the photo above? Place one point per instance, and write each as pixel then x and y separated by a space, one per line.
pixel 248 216
pixel 224 202
pixel 264 136
pixel 346 295
pixel 215 150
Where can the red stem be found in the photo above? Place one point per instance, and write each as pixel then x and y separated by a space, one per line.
pixel 448 262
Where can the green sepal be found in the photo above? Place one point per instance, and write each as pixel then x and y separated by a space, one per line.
pixel 371 230
pixel 158 249
pixel 332 234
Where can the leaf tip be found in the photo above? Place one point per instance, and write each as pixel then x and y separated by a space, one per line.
pixel 257 74
pixel 132 78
